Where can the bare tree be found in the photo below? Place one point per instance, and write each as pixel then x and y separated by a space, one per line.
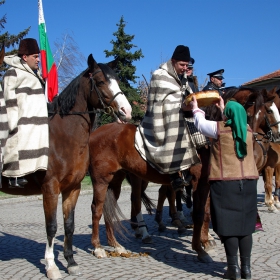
pixel 69 60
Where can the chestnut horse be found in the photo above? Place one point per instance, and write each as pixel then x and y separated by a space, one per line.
pixel 71 117
pixel 115 143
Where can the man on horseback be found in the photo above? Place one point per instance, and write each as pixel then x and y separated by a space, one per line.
pixel 26 149
pixel 162 138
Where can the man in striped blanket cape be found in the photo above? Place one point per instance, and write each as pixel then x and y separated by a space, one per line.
pixel 162 138
pixel 26 149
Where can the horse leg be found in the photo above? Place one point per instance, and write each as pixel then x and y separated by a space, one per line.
pixel 99 195
pixel 162 193
pixel 269 200
pixel 201 190
pixel 208 242
pixel 138 186
pixel 179 208
pixel 69 201
pixel 50 208
pixel 277 186
pixel 175 220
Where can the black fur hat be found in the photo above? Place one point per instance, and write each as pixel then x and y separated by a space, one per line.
pixel 182 53
pixel 28 46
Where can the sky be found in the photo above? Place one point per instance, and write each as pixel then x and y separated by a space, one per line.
pixel 240 36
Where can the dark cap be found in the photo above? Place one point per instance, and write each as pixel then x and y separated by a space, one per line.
pixel 217 74
pixel 191 62
pixel 182 53
pixel 28 46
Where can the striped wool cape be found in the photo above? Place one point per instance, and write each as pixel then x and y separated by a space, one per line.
pixel 162 138
pixel 4 130
pixel 26 149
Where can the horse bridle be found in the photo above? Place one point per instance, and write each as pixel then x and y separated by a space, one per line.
pixel 268 135
pixel 107 108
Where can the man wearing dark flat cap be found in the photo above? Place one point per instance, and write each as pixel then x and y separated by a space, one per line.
pixel 162 138
pixel 215 81
pixel 26 149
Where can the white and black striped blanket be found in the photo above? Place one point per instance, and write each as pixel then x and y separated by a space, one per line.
pixel 162 139
pixel 27 145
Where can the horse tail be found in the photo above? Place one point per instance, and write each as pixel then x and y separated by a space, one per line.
pixel 113 215
pixel 148 203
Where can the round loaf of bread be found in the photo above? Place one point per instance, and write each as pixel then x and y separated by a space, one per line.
pixel 204 98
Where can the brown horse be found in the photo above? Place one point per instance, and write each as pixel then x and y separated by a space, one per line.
pixel 71 117
pixel 115 143
pixel 272 158
pixel 259 107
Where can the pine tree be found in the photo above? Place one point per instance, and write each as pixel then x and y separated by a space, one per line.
pixel 9 40
pixel 122 51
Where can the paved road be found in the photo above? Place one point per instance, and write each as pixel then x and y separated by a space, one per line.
pixel 23 238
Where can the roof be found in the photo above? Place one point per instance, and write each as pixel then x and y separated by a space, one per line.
pixel 271 76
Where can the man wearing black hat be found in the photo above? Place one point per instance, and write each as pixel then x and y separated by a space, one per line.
pixel 162 138
pixel 216 81
pixel 26 149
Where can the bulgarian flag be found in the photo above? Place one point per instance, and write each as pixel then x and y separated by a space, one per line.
pixel 49 70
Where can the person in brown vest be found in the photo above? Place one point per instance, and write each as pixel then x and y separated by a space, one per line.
pixel 233 179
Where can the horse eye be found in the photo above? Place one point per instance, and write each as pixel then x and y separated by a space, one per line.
pixel 269 111
pixel 101 83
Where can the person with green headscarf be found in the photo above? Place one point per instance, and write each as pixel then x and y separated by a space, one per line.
pixel 233 179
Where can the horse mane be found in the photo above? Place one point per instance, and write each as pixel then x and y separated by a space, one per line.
pixel 65 101
pixel 108 72
pixel 258 98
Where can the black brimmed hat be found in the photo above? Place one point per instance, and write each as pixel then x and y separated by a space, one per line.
pixel 28 46
pixel 182 53
pixel 191 62
pixel 217 74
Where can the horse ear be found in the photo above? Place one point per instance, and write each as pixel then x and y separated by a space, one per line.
pixel 91 62
pixel 113 64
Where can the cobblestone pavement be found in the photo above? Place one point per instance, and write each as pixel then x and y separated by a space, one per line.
pixel 23 239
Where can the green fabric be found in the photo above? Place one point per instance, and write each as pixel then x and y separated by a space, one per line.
pixel 237 120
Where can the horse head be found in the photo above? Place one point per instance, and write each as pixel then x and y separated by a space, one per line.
pixel 272 117
pixel 262 112
pixel 105 86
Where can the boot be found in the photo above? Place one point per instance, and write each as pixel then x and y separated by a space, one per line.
pixel 233 270
pixel 245 267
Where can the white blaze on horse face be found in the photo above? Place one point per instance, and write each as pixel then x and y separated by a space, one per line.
pixel 123 105
pixel 275 111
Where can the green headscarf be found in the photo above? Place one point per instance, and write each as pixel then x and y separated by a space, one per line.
pixel 237 120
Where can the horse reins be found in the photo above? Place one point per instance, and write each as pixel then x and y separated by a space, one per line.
pixel 108 109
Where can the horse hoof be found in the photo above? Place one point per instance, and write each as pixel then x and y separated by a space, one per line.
pixel 147 240
pixel 161 227
pixel 100 253
pixel 205 258
pixel 277 205
pixel 211 252
pixel 54 274
pixel 177 223
pixel 138 235
pixel 181 230
pixel 120 250
pixel 74 270
pixel 273 209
